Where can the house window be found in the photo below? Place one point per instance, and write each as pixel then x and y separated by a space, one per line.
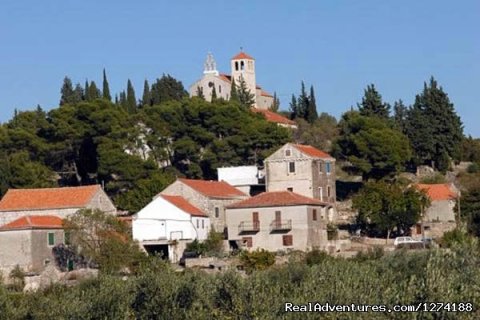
pixel 327 167
pixel 198 223
pixel 242 65
pixel 287 240
pixel 247 241
pixel 219 89
pixel 288 153
pixel 51 238
pixel 329 191
pixel 291 167
pixel 320 167
pixel 217 212
pixel 203 224
pixel 66 238
pixel 255 220
pixel 320 193
pixel 314 215
pixel 236 65
pixel 290 189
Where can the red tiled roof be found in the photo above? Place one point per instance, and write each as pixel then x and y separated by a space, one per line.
pixel 274 117
pixel 184 205
pixel 266 94
pixel 47 198
pixel 312 151
pixel 34 222
pixel 242 55
pixel 441 191
pixel 276 199
pixel 215 189
pixel 225 77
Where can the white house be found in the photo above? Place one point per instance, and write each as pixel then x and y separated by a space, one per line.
pixel 248 179
pixel 167 224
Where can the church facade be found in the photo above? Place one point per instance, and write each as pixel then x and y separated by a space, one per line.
pixel 242 67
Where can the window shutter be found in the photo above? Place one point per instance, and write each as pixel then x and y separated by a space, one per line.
pixel 287 240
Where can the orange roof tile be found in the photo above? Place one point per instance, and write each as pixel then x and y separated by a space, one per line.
pixel 242 55
pixel 184 205
pixel 266 94
pixel 225 77
pixel 215 189
pixel 47 198
pixel 34 222
pixel 312 151
pixel 441 191
pixel 276 199
pixel 275 117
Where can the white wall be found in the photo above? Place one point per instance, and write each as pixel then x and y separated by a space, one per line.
pixel 161 220
pixel 243 175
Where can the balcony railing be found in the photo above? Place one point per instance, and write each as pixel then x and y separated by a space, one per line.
pixel 248 227
pixel 284 225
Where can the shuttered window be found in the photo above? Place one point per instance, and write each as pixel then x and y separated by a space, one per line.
pixel 287 240
pixel 248 241
pixel 314 215
pixel 51 239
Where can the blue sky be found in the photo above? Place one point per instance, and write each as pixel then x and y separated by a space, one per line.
pixel 338 46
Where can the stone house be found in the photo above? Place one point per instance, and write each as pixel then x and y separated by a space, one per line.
pixel 304 170
pixel 210 197
pixel 439 217
pixel 278 220
pixel 28 242
pixel 167 224
pixel 60 202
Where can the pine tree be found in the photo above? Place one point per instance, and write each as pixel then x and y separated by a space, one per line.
pixel 200 93
pixel 78 93
pixel 131 100
pixel 311 114
pixel 372 104
pixel 400 115
pixel 434 128
pixel 167 88
pixel 106 87
pixel 146 97
pixel 117 102
pixel 233 91
pixel 213 95
pixel 275 103
pixel 67 93
pixel 245 97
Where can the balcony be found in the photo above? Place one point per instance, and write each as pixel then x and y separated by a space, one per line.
pixel 280 226
pixel 248 227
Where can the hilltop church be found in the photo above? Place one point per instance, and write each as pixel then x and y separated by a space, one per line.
pixel 242 66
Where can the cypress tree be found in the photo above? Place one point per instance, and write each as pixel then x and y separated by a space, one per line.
pixel 67 93
pixel 276 103
pixel 400 115
pixel 123 100
pixel 311 114
pixel 214 94
pixel 106 87
pixel 200 93
pixel 372 104
pixel 293 108
pixel 87 91
pixel 93 92
pixel 117 103
pixel 131 100
pixel 78 93
pixel 233 91
pixel 146 97
pixel 245 97
pixel 302 103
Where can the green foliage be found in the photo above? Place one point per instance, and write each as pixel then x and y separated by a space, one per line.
pixel 17 276
pixel 305 106
pixel 131 103
pixel 245 97
pixel 374 148
pixel 433 127
pixel 214 243
pixel 454 238
pixel 374 253
pixel 470 209
pixel 319 134
pixel 433 179
pixel 474 168
pixel 103 239
pixel 316 257
pixel 106 87
pixel 276 103
pixel 470 149
pixel 383 207
pixel 400 112
pixel 147 96
pixel 167 89
pixel 332 231
pixel 372 105
pixel 259 259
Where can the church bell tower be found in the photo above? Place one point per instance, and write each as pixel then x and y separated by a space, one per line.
pixel 243 67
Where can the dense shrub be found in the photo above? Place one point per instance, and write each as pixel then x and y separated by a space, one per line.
pixel 259 259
